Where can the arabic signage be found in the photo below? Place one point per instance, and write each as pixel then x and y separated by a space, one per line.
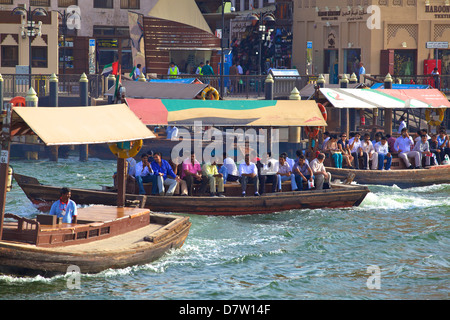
pixel 349 14
pixel 437 45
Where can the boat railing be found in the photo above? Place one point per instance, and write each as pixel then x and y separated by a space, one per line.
pixel 26 230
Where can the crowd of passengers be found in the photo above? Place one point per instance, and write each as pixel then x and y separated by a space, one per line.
pixel 426 150
pixel 170 177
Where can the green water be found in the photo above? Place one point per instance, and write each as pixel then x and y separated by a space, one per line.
pixel 299 254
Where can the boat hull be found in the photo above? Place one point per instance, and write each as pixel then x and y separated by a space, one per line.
pixel 339 196
pixel 134 248
pixel 406 178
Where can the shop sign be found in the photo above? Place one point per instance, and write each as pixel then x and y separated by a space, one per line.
pixel 107 43
pixel 440 12
pixel 437 45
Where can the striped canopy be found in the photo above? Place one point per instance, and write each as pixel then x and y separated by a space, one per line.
pixel 386 98
pixel 227 112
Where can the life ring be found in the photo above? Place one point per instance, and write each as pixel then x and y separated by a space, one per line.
pixel 18 102
pixel 323 110
pixel 214 93
pixel 431 122
pixel 312 132
pixel 126 153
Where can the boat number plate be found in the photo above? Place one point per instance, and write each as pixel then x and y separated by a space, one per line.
pixel 4 156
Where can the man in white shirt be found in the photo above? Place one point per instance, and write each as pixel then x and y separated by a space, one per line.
pixel 248 174
pixel 403 146
pixel 144 173
pixel 285 173
pixel 382 148
pixel 230 165
pixel 423 147
pixel 369 153
pixel 319 172
pixel 355 147
pixel 267 172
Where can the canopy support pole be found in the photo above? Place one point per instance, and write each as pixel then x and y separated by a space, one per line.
pixel 121 181
pixel 4 164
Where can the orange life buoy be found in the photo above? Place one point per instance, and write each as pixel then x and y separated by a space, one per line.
pixel 312 132
pixel 18 102
pixel 323 110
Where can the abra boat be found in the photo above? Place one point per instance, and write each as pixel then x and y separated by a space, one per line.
pixel 103 237
pixel 339 196
pixel 403 178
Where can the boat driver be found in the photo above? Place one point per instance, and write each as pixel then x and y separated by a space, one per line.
pixel 65 208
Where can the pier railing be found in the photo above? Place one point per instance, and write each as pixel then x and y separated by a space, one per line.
pixel 444 84
pixel 69 85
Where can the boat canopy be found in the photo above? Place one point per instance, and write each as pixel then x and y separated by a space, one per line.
pixel 261 113
pixel 79 125
pixel 386 98
pixel 159 90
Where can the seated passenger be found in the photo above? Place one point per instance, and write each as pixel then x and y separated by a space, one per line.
pixel 382 148
pixel 214 178
pixel 434 149
pixel 144 174
pixel 343 147
pixel 248 174
pixel 423 148
pixel 334 150
pixel 355 149
pixel 165 175
pixel 233 172
pixel 369 153
pixel 321 176
pixel 192 174
pixel 285 173
pixel 403 145
pixel 302 172
pixel 267 172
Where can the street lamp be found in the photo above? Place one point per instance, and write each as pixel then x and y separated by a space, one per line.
pixel 72 14
pixel 31 28
pixel 263 19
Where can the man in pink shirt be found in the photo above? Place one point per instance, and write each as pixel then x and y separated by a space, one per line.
pixel 192 173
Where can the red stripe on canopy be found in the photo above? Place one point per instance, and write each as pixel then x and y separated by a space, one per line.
pixel 149 111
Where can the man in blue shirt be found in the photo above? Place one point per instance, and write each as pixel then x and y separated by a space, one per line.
pixel 65 208
pixel 165 175
pixel 443 144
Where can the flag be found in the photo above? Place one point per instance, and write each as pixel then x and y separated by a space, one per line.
pixel 111 68
pixel 132 72
pixel 118 80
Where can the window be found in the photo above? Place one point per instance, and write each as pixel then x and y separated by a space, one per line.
pixel 40 3
pixel 130 4
pixel 39 57
pixel 10 56
pixel 103 4
pixel 67 3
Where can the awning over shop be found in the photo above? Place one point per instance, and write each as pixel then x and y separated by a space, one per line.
pixel 385 98
pixel 79 125
pixel 227 112
pixel 159 90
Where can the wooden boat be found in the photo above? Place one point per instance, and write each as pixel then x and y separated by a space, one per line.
pixel 104 237
pixel 339 196
pixel 403 178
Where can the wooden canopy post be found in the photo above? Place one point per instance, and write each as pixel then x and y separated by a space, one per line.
pixel 388 111
pixel 4 164
pixel 121 181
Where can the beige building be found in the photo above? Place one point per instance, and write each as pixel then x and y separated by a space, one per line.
pixel 386 35
pixel 14 44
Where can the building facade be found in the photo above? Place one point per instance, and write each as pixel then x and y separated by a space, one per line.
pixel 386 35
pixel 15 44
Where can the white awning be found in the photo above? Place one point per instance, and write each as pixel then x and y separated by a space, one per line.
pixel 79 125
pixel 386 98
